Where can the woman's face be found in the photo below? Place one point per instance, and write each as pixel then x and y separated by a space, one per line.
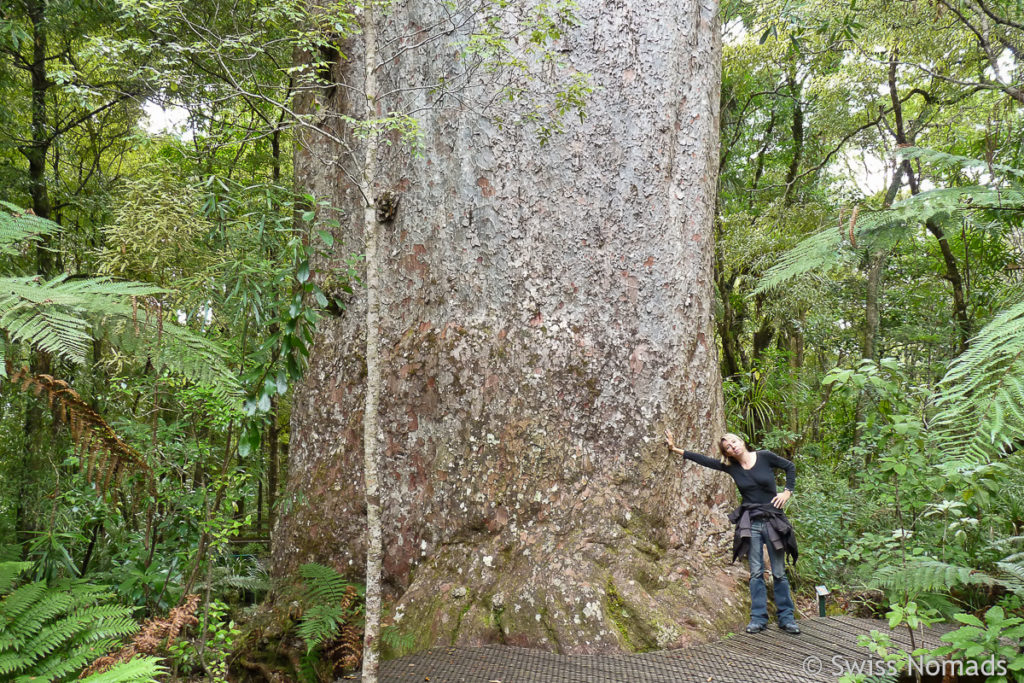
pixel 733 446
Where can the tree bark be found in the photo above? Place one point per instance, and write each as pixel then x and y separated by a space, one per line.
pixel 545 312
pixel 371 455
pixel 960 314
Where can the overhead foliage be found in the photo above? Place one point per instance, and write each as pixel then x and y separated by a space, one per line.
pixel 64 315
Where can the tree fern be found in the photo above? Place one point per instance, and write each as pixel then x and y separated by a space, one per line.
pixel 979 407
pixel 836 244
pixel 59 316
pixel 63 315
pixel 20 227
pixel 106 459
pixel 50 633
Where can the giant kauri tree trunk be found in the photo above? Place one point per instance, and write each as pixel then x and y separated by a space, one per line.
pixel 545 312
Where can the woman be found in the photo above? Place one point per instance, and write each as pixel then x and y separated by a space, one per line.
pixel 759 522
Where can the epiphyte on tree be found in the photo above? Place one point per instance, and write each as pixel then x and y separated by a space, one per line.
pixel 387 206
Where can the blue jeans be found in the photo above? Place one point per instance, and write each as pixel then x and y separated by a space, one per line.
pixel 758 590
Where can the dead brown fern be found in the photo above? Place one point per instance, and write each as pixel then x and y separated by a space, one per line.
pixel 155 636
pixel 346 650
pixel 105 457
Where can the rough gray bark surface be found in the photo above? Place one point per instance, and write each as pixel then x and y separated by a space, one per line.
pixel 546 311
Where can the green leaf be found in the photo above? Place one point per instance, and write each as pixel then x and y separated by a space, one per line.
pixel 969 619
pixel 327 237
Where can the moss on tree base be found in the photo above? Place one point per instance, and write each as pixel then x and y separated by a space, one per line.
pixel 571 596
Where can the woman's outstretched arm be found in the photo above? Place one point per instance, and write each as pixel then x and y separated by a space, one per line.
pixel 695 457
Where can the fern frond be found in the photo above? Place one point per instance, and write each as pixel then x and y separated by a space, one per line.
pixel 59 317
pixel 73 660
pixel 337 605
pixel 320 624
pixel 1012 576
pixel 820 251
pixel 19 226
pixel 946 159
pixel 398 642
pixel 9 574
pixel 19 602
pixel 106 458
pixel 224 577
pixel 927 576
pixel 979 404
pixel 137 670
pixel 325 585
pixel 876 229
pixel 45 605
pixel 49 633
pixel 113 627
pixel 141 330
pixel 53 315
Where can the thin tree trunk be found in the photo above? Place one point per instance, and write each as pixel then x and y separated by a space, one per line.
pixel 960 314
pixel 875 277
pixel 371 468
pixel 273 432
pixel 798 142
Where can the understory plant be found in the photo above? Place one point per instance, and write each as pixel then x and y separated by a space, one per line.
pixel 52 631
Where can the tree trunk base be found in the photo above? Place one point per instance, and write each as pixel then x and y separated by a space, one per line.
pixel 581 594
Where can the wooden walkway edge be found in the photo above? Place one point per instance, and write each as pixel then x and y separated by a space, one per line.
pixel 826 645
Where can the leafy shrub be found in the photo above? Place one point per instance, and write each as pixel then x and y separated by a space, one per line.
pixel 998 636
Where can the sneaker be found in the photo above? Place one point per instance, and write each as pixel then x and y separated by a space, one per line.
pixel 756 628
pixel 791 627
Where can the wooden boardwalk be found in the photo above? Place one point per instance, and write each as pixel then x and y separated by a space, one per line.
pixel 815 655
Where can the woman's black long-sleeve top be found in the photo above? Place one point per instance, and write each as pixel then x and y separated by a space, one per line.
pixel 757 485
